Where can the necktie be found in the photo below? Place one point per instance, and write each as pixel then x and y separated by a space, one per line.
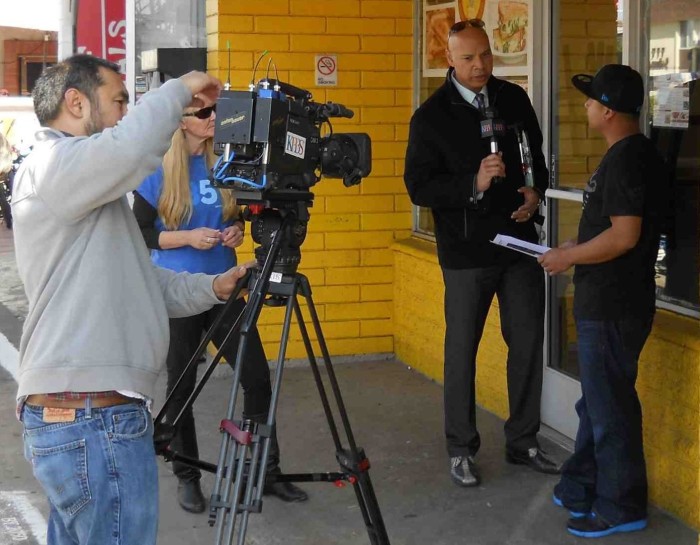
pixel 480 101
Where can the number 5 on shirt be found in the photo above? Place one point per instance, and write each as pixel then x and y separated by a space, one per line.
pixel 207 192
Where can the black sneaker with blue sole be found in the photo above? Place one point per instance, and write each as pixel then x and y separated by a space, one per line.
pixel 593 526
pixel 573 514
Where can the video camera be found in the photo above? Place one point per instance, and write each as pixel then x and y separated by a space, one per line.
pixel 272 152
pixel 270 140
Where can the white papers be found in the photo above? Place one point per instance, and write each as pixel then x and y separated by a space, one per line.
pixel 522 246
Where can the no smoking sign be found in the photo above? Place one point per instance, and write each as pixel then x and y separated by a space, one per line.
pixel 326 70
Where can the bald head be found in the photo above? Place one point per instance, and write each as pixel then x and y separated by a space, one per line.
pixel 469 53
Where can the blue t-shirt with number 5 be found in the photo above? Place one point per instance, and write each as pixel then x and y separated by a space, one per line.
pixel 207 210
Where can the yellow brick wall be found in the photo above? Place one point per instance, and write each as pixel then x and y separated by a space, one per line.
pixel 419 325
pixel 346 255
pixel 418 295
pixel 669 388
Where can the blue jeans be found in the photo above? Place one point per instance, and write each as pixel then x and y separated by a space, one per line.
pixel 607 472
pixel 99 473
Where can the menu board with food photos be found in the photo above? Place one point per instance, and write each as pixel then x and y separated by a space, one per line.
pixel 507 23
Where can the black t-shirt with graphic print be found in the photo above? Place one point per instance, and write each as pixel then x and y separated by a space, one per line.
pixel 631 180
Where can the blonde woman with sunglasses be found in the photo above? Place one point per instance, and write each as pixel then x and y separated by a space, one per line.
pixel 189 225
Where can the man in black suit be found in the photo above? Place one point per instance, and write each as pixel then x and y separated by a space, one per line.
pixel 475 194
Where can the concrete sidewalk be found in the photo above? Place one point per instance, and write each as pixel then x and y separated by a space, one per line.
pixel 396 415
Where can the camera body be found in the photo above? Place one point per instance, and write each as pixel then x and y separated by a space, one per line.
pixel 270 140
pixel 272 153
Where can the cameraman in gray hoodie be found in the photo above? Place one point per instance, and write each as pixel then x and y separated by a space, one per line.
pixel 96 334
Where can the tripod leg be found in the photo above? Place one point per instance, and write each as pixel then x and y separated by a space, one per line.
pixel 231 491
pixel 260 455
pixel 224 472
pixel 352 459
pixel 234 448
pixel 228 453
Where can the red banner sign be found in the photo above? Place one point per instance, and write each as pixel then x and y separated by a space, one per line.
pixel 101 30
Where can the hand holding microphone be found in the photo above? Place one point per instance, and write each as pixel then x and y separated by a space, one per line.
pixel 492 169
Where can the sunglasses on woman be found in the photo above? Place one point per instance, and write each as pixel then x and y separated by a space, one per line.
pixel 203 113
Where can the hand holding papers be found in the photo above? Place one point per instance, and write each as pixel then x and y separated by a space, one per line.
pixel 522 246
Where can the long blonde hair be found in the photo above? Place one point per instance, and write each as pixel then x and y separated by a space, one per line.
pixel 175 203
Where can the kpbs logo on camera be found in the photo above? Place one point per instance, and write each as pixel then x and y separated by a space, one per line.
pixel 296 145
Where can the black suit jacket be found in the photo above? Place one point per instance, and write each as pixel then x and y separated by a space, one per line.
pixel 444 153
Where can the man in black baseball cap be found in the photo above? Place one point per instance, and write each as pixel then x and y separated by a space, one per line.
pixel 603 484
pixel 616 86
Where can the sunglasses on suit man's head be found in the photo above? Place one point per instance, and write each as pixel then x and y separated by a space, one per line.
pixel 459 26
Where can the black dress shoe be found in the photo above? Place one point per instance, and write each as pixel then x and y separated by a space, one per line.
pixel 285 491
pixel 190 497
pixel 535 459
pixel 463 471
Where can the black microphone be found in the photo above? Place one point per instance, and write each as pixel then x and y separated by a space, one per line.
pixel 491 128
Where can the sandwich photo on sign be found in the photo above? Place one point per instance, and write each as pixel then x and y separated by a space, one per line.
pixel 507 22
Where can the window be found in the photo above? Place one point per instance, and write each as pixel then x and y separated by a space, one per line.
pixel 169 23
pixel 30 69
pixel 689 34
pixel 674 104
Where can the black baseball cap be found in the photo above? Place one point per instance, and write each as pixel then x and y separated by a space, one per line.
pixel 616 86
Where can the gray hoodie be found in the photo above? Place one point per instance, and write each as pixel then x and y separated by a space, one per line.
pixel 98 308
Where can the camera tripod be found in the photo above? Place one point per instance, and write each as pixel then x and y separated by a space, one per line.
pixel 241 468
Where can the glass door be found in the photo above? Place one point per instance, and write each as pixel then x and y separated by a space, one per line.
pixel 584 36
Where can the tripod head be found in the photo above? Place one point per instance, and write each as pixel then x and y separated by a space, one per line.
pixel 274 214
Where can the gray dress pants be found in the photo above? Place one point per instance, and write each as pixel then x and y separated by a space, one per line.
pixel 519 287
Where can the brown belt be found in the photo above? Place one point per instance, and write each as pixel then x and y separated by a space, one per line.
pixel 41 400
